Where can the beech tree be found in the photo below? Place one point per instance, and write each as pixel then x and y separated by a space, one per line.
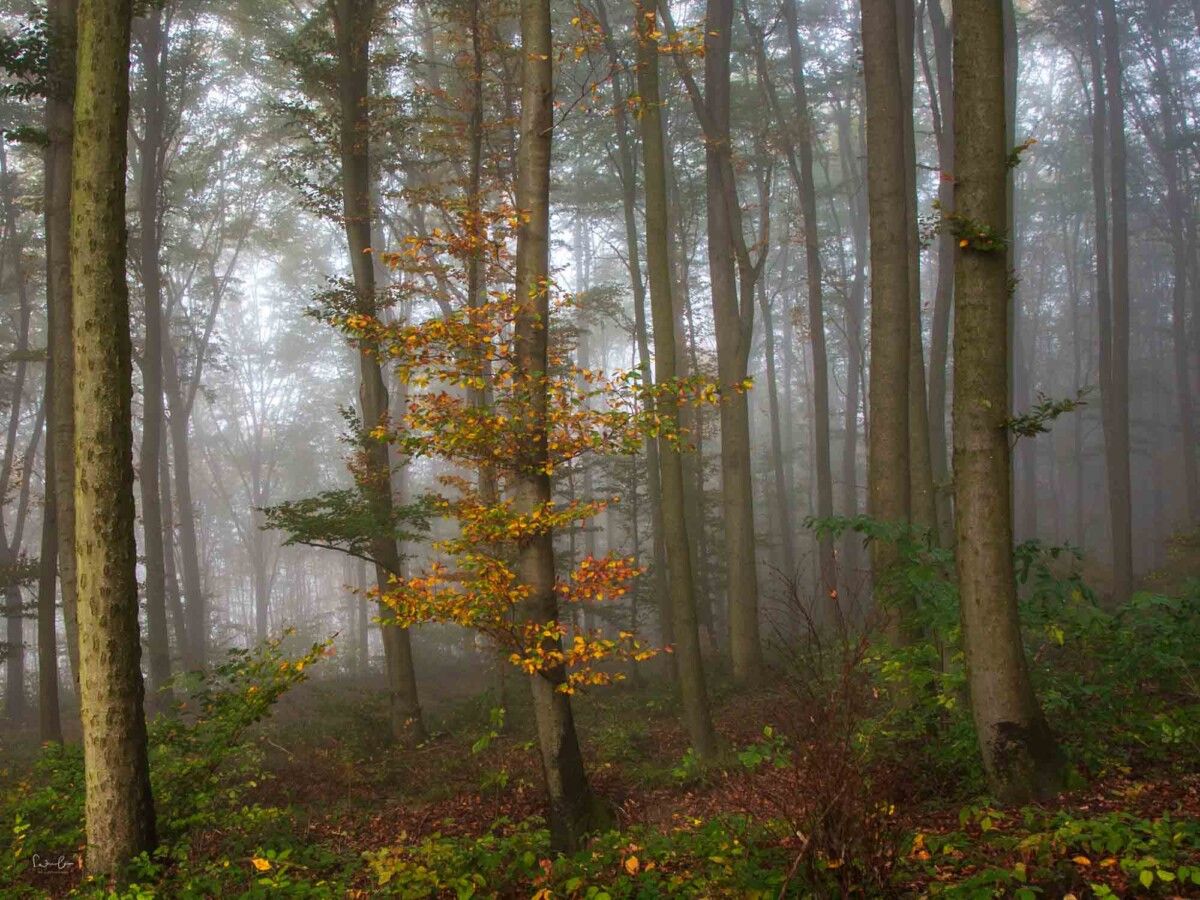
pixel 119 808
pixel 1020 755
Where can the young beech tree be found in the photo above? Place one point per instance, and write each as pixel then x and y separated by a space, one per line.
pixel 1019 753
pixel 119 808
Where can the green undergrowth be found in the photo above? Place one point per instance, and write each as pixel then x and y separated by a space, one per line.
pixel 861 779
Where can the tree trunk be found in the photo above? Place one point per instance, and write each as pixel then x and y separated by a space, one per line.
pixel 941 102
pixel 149 190
pixel 891 312
pixel 119 808
pixel 922 502
pixel 733 317
pixel 689 665
pixel 1020 756
pixel 10 548
pixel 352 25
pixel 816 307
pixel 60 105
pixel 49 718
pixel 856 302
pixel 627 170
pixel 1117 436
pixel 574 810
pixel 196 610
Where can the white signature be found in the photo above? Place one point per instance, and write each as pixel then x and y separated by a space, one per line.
pixel 55 864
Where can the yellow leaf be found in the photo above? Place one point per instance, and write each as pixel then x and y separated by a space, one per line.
pixel 263 865
pixel 1081 860
pixel 631 865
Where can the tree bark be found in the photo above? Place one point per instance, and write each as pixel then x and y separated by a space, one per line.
pixel 689 665
pixel 1020 756
pixel 119 807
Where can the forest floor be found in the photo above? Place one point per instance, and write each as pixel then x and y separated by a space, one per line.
pixel 337 812
pixel 852 773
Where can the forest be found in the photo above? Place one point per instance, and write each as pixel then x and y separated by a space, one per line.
pixel 600 448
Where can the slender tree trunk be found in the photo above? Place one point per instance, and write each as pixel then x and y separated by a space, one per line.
pixel 196 610
pixel 1120 501
pixel 60 104
pixel 1178 209
pixel 690 418
pixel 941 102
pixel 779 494
pixel 855 306
pixel 49 718
pixel 891 313
pixel 1020 756
pixel 689 665
pixel 10 548
pixel 733 315
pixel 352 24
pixel 816 306
pixel 170 574
pixel 922 500
pixel 119 808
pixel 627 170
pixel 1103 293
pixel 149 191
pixel 574 809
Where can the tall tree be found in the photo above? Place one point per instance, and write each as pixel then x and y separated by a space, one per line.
pixel 887 189
pixel 152 149
pixel 733 276
pixel 921 494
pixel 627 170
pixel 1117 430
pixel 941 108
pixel 802 172
pixel 119 808
pixel 60 104
pixel 574 809
pixel 689 665
pixel 1020 756
pixel 352 21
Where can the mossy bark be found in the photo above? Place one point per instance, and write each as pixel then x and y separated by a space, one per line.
pixel 119 808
